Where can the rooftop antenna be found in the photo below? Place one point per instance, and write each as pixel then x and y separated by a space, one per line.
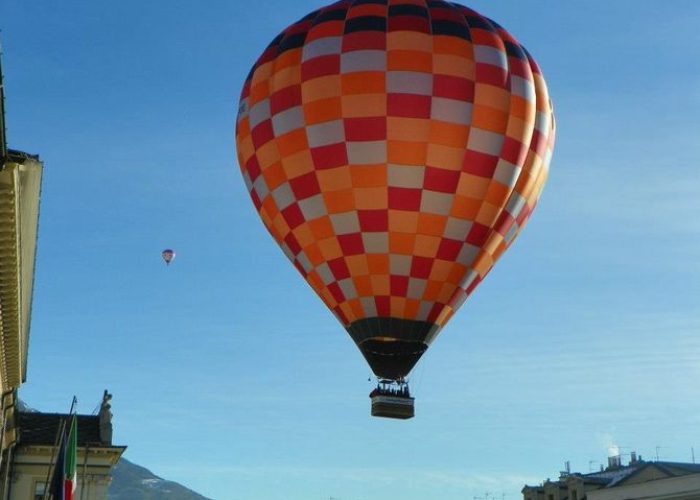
pixel 567 470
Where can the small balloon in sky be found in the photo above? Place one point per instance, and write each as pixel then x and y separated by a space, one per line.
pixel 168 255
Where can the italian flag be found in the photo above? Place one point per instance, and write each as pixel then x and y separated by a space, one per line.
pixel 70 478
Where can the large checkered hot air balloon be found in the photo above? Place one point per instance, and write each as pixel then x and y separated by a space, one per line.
pixel 394 149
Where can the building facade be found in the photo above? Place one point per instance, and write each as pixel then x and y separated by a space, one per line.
pixel 28 472
pixel 20 187
pixel 28 440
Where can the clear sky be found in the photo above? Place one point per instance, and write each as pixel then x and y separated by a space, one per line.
pixel 228 373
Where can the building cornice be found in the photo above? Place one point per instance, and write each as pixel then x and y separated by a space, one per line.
pixel 20 186
pixel 112 453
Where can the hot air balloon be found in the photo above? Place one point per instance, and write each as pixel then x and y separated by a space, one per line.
pixel 394 149
pixel 168 255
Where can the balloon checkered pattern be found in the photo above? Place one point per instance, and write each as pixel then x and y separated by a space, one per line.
pixel 394 149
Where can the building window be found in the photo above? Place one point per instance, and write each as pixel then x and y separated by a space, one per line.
pixel 39 489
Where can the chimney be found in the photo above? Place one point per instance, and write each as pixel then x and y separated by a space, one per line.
pixel 614 462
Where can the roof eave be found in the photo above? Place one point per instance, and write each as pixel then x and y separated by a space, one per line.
pixel 20 188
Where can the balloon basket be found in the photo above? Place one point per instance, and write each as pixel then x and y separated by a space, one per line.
pixel 391 406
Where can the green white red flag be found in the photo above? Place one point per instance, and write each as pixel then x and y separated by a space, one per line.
pixel 70 469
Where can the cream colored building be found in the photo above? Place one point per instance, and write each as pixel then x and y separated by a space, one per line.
pixel 35 451
pixel 20 186
pixel 28 439
pixel 639 480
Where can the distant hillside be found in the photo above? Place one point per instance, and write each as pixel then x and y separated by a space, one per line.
pixel 133 482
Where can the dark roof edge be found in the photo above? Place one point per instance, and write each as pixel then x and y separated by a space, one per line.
pixel 3 135
pixel 65 415
pixel 81 446
pixel 19 156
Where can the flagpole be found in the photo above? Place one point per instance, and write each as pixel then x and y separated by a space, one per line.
pixel 54 455
pixel 57 445
pixel 70 469
pixel 72 406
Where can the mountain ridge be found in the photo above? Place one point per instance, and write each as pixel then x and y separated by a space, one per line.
pixel 135 482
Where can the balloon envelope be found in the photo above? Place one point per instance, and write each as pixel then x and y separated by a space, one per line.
pixel 168 255
pixel 394 150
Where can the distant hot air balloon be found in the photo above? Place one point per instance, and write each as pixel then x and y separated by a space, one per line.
pixel 394 149
pixel 168 255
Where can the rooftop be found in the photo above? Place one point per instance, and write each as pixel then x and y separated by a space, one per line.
pixel 613 477
pixel 40 429
pixel 619 474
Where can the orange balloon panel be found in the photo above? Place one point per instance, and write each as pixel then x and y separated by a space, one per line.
pixel 394 149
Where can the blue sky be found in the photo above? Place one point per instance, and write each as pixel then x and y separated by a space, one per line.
pixel 228 373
